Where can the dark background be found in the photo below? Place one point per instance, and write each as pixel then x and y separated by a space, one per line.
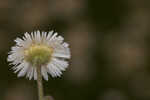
pixel 109 41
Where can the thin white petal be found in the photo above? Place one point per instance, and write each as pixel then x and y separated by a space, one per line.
pixel 61 55
pixel 18 68
pixel 23 71
pixel 31 74
pixel 19 42
pixel 49 35
pixel 53 36
pixel 35 74
pixel 53 70
pixel 65 44
pixel 32 35
pixel 38 37
pixel 44 73
pixel 28 72
pixel 44 35
pixel 28 37
pixel 61 64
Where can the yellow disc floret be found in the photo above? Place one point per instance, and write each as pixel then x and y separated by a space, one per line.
pixel 38 55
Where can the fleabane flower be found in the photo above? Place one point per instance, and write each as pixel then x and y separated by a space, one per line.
pixel 39 49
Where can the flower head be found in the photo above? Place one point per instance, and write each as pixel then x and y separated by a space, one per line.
pixel 39 49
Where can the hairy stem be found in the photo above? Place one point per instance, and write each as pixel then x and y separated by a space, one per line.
pixel 39 83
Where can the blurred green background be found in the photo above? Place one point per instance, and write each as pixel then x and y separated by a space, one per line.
pixel 109 42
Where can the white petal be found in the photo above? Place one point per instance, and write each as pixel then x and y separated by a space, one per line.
pixel 60 38
pixel 50 71
pixel 38 37
pixel 28 37
pixel 65 44
pixel 30 73
pixel 23 71
pixel 61 64
pixel 49 35
pixel 19 42
pixel 57 40
pixel 17 51
pixel 61 55
pixel 27 41
pixel 15 58
pixel 44 73
pixel 32 35
pixel 35 74
pixel 53 36
pixel 18 68
pixel 60 50
pixel 11 58
pixel 35 37
pixel 53 70
pixel 44 35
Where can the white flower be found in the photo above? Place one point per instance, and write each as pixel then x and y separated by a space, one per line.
pixel 45 50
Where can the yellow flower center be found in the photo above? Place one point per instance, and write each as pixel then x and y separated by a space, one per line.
pixel 38 55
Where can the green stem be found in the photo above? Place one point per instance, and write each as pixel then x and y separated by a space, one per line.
pixel 39 83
